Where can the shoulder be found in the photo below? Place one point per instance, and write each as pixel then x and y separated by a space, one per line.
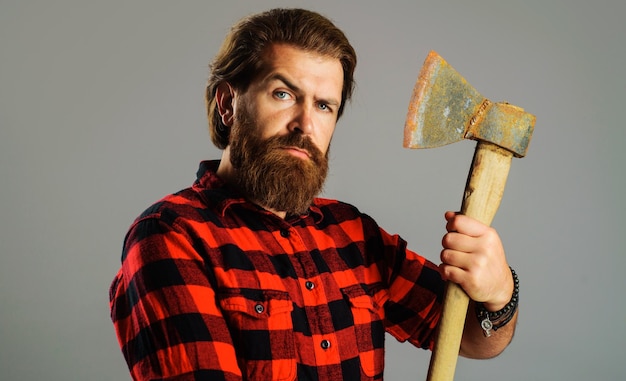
pixel 173 206
pixel 339 212
pixel 327 205
pixel 180 211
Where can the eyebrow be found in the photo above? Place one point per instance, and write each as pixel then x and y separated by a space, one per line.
pixel 292 86
pixel 283 79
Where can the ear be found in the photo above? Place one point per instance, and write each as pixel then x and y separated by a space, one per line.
pixel 225 99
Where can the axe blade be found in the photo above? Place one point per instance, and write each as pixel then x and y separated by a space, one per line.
pixel 441 105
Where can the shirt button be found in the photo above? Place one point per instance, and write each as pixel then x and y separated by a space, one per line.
pixel 309 285
pixel 259 308
pixel 284 233
pixel 325 344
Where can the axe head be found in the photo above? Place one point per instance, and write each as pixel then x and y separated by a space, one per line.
pixel 445 108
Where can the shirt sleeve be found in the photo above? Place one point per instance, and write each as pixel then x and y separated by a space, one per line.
pixel 164 309
pixel 415 288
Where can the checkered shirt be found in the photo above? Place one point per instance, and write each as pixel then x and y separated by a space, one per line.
pixel 213 287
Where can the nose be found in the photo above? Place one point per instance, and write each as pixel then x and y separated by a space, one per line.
pixel 302 122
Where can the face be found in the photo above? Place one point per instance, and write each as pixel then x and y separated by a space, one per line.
pixel 283 126
pixel 299 92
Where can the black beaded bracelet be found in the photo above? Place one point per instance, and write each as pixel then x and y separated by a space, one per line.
pixel 498 319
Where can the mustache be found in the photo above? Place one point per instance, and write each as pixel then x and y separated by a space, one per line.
pixel 298 141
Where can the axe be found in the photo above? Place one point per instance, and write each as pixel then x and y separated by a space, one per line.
pixel 444 108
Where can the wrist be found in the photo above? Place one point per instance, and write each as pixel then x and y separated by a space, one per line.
pixel 495 319
pixel 494 307
pixel 503 297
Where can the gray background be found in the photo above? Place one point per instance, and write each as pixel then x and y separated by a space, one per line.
pixel 101 114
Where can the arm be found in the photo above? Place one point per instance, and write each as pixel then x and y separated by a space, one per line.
pixel 474 344
pixel 474 258
pixel 164 309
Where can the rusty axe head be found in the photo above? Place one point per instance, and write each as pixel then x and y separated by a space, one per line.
pixel 445 108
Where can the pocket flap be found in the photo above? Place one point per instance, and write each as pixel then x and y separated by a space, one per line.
pixel 359 298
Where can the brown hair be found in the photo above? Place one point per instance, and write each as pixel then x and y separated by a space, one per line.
pixel 240 57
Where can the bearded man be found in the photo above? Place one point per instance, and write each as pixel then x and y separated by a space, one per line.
pixel 248 275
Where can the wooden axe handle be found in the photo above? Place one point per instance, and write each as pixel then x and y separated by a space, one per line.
pixel 483 193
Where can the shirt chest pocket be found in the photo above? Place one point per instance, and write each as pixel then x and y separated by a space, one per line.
pixel 261 327
pixel 368 329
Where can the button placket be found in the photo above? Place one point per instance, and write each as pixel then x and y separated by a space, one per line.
pixel 289 239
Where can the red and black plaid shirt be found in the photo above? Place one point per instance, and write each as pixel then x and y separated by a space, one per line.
pixel 213 287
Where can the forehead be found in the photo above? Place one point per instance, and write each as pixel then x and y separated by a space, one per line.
pixel 300 65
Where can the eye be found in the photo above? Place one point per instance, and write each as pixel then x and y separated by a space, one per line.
pixel 281 94
pixel 324 107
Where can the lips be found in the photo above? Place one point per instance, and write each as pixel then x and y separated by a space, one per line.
pixel 298 152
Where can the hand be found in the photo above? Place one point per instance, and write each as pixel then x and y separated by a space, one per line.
pixel 474 258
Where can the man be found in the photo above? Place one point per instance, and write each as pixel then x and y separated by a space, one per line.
pixel 248 276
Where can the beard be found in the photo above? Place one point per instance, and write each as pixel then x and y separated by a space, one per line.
pixel 270 176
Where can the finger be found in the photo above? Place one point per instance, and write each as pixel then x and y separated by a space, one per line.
pixel 459 242
pixel 453 274
pixel 456 258
pixel 465 225
pixel 449 215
